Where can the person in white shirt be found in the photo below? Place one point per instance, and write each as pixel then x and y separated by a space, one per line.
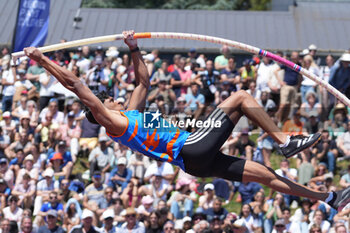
pixel 158 167
pixel 46 81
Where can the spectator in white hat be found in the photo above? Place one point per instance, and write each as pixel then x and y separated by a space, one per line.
pixel 87 225
pixel 146 206
pixel 107 219
pixel 340 72
pixel 206 201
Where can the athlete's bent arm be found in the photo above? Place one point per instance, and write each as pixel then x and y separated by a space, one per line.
pixel 138 97
pixel 103 115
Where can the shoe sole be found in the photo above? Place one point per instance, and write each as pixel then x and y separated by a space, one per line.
pixel 318 139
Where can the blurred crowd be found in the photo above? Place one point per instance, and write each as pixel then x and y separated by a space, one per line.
pixel 60 173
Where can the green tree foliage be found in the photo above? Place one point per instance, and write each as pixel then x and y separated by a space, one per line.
pixel 257 5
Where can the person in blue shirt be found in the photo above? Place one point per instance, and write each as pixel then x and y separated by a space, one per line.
pixel 120 175
pixel 52 204
pixel 248 190
pixel 195 100
pixel 197 153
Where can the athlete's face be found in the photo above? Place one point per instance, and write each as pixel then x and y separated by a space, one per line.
pixel 112 104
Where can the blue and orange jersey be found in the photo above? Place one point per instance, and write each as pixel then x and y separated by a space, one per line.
pixel 153 136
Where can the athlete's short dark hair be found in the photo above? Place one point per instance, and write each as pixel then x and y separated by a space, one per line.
pixel 102 96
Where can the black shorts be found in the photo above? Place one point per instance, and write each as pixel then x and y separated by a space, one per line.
pixel 201 153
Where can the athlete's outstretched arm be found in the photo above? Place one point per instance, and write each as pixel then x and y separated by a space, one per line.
pixel 73 83
pixel 138 97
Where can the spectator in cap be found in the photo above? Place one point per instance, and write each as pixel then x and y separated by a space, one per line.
pixel 294 126
pixel 26 125
pixel 312 52
pixel 101 156
pixel 96 78
pixel 23 83
pixel 44 188
pixel 87 223
pixel 13 212
pixel 181 201
pixel 131 224
pixel 84 60
pixel 94 192
pixel 279 226
pixel 313 124
pixel 339 73
pixel 107 219
pixel 18 161
pixel 207 199
pixel 120 175
pixel 144 210
pixel 61 153
pixel 247 73
pixel 8 125
pixel 51 223
pixel 244 146
pixel 149 62
pixel 25 190
pixel 28 168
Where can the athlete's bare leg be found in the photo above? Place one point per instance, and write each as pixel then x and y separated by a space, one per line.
pixel 241 103
pixel 255 172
